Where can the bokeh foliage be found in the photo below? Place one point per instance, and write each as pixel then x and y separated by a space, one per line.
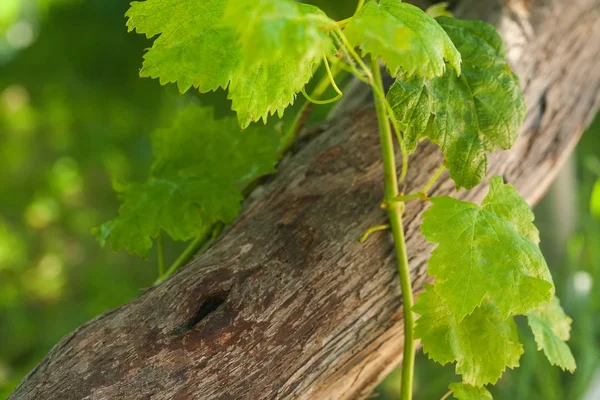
pixel 72 110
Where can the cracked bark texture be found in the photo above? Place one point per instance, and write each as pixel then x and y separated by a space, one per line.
pixel 287 304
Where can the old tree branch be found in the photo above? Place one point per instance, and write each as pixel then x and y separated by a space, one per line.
pixel 287 303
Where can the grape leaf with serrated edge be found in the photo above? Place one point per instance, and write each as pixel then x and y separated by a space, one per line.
pixel 279 28
pixel 267 90
pixel 282 44
pixel 193 48
pixel 405 37
pixel 483 344
pixel 489 251
pixel 466 116
pixel 200 167
pixel 463 391
pixel 197 47
pixel 551 328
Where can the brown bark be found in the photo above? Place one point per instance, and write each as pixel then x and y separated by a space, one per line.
pixel 287 303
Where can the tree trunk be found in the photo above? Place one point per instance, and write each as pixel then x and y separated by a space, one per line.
pixel 287 303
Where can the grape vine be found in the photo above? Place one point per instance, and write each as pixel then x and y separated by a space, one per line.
pixel 452 87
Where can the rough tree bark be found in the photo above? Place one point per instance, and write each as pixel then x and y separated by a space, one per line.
pixel 287 303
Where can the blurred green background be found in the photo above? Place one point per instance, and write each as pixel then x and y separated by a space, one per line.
pixel 73 112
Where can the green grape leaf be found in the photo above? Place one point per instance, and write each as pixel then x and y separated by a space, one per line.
pixel 264 51
pixel 405 37
pixel 273 29
pixel 411 99
pixel 489 251
pixel 468 115
pixel 200 167
pixel 193 49
pixel 268 89
pixel 483 344
pixel 463 391
pixel 282 44
pixel 551 328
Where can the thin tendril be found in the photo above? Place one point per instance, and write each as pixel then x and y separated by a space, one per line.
pixel 315 101
pixel 331 79
pixel 373 229
pixel 348 67
pixel 333 85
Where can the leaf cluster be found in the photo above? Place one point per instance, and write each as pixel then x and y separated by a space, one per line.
pixel 263 61
pixel 201 166
pixel 488 268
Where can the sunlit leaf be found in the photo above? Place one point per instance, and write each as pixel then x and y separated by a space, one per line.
pixel 551 328
pixel 193 48
pixel 489 251
pixel 468 115
pixel 264 51
pixel 405 37
pixel 483 344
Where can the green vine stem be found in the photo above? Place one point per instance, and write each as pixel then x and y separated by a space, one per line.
pixel 394 211
pixel 379 94
pixel 160 252
pixel 198 245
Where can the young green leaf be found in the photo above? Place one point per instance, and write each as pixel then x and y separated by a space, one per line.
pixel 463 391
pixel 193 48
pixel 265 51
pixel 405 37
pixel 483 344
pixel 551 328
pixel 467 115
pixel 267 89
pixel 200 167
pixel 282 43
pixel 272 29
pixel 412 101
pixel 489 251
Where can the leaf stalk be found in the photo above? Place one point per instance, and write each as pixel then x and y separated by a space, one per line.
pixel 160 252
pixel 198 245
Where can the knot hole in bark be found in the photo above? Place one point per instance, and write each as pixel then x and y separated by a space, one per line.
pixel 208 306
